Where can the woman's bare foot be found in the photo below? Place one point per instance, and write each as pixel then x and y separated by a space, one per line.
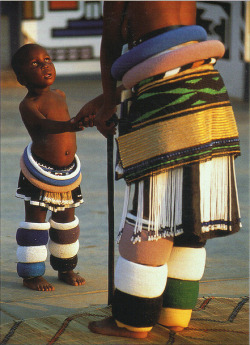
pixel 71 278
pixel 176 328
pixel 108 326
pixel 38 283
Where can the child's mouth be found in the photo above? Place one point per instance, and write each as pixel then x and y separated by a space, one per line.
pixel 48 76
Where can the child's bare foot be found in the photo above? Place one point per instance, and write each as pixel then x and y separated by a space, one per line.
pixel 108 326
pixel 38 283
pixel 71 278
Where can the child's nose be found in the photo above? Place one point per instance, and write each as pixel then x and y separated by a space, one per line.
pixel 44 65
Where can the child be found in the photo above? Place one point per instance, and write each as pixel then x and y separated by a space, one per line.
pixel 50 174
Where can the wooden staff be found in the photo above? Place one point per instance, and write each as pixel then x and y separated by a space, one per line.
pixel 110 177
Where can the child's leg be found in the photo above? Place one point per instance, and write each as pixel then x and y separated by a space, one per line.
pixel 185 269
pixel 32 237
pixel 64 245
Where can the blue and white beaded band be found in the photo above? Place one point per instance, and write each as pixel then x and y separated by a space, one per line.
pixel 156 45
pixel 47 177
pixel 140 280
pixel 28 270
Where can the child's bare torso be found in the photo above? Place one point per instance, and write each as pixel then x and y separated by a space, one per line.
pixel 56 148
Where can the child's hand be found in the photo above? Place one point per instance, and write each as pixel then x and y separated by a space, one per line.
pixel 88 121
pixel 84 122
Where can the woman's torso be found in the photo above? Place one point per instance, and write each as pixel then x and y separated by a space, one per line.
pixel 142 17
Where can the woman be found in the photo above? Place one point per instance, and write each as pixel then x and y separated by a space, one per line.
pixel 174 151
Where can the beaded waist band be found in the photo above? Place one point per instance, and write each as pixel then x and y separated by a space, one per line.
pixel 154 33
pixel 47 174
pixel 156 45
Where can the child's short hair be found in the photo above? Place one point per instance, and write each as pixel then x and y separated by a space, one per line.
pixel 19 57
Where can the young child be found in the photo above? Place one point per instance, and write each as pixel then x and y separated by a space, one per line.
pixel 50 174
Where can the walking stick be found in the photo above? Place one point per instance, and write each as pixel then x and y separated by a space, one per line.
pixel 110 178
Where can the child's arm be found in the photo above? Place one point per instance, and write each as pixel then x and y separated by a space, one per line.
pixel 36 121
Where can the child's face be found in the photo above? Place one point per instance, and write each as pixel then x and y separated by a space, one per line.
pixel 38 70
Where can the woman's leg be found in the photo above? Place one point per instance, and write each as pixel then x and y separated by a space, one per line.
pixel 140 279
pixel 64 245
pixel 32 237
pixel 185 269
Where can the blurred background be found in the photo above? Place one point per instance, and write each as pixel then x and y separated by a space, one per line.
pixel 71 31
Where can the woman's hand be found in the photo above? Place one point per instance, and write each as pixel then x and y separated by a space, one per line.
pixel 104 123
pixel 88 110
pixel 83 122
pixel 86 116
pixel 96 113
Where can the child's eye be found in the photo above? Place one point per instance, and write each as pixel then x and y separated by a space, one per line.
pixel 47 59
pixel 34 63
